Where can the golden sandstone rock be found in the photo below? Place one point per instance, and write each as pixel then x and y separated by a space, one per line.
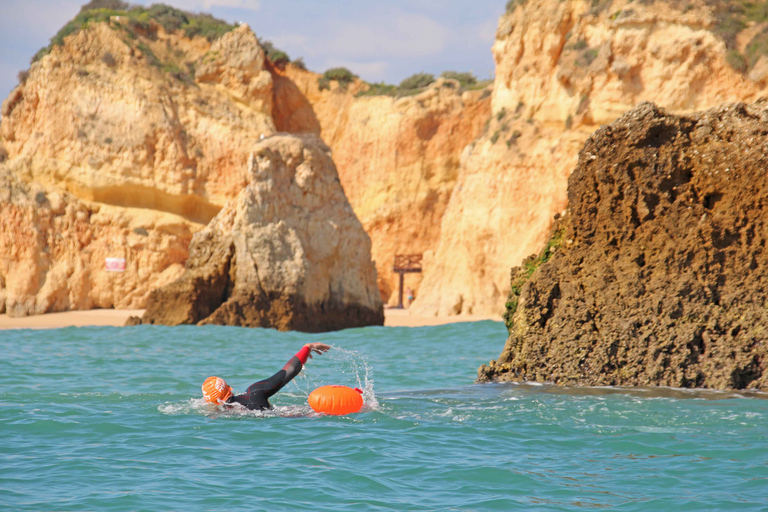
pixel 397 158
pixel 562 70
pixel 53 249
pixel 288 252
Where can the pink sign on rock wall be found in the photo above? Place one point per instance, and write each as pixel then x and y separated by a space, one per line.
pixel 114 264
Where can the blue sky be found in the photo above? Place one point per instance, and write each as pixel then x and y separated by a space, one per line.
pixel 378 40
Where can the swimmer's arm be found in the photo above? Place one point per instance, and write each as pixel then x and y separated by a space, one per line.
pixel 293 367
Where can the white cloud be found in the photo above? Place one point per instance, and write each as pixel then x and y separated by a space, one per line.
pixel 396 35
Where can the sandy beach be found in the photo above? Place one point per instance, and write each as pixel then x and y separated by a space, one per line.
pixel 117 317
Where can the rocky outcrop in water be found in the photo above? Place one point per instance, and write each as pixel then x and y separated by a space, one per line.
pixel 287 253
pixel 657 273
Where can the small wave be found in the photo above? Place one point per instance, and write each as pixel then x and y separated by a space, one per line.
pixel 198 406
pixel 644 392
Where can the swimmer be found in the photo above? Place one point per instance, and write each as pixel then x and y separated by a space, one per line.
pixel 256 398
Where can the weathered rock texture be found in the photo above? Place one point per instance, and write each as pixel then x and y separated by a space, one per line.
pixel 53 249
pixel 661 278
pixel 133 154
pixel 398 158
pixel 563 68
pixel 134 133
pixel 287 253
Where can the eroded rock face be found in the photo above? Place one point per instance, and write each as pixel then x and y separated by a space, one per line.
pixel 128 132
pixel 53 249
pixel 398 158
pixel 562 70
pixel 112 149
pixel 661 276
pixel 287 253
pixel 236 62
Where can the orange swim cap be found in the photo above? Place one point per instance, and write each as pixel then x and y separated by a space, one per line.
pixel 215 390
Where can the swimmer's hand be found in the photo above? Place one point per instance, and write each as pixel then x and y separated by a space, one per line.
pixel 317 348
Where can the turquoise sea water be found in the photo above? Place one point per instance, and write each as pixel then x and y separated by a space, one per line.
pixel 109 419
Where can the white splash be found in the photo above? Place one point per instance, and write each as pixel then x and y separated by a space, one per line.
pixel 349 368
pixel 200 407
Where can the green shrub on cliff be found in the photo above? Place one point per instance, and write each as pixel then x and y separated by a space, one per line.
pixel 417 81
pixel 756 11
pixel 341 75
pixel 732 19
pixel 115 5
pixel 512 5
pixel 520 275
pixel 170 18
pixel 278 58
pixel 206 26
pixel 757 48
pixel 274 54
pixel 736 60
pixel 379 89
pixel 466 79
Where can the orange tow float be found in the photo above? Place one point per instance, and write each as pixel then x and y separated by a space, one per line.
pixel 336 400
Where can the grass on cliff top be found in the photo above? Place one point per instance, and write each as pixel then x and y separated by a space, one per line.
pixel 170 18
pixel 418 82
pixel 734 17
pixel 341 75
pixel 278 57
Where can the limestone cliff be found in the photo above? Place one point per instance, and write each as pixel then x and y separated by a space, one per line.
pixel 130 113
pixel 657 274
pixel 136 136
pixel 398 158
pixel 563 68
pixel 287 253
pixel 114 116
pixel 53 249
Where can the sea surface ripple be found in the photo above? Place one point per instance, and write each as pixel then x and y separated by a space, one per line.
pixel 110 419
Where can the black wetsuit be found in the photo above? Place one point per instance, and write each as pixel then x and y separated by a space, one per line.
pixel 257 396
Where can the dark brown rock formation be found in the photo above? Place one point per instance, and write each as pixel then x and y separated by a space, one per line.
pixel 661 277
pixel 287 253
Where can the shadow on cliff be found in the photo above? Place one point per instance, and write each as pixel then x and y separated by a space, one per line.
pixel 291 111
